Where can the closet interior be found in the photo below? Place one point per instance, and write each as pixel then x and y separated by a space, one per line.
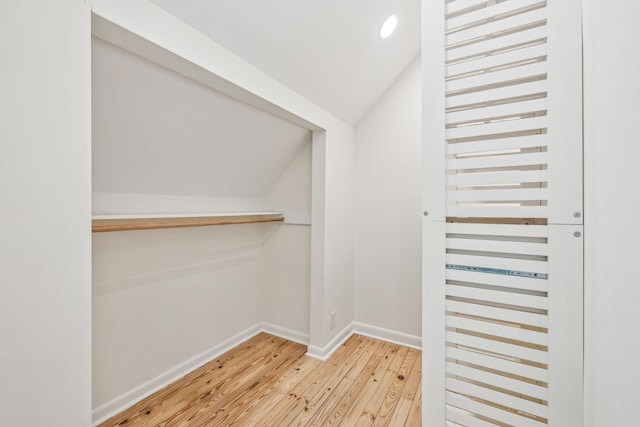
pixel 201 222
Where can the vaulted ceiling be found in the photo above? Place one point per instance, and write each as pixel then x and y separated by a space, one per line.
pixel 326 50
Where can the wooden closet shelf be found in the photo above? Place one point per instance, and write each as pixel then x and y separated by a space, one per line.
pixel 105 223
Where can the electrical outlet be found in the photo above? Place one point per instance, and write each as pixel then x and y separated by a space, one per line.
pixel 332 320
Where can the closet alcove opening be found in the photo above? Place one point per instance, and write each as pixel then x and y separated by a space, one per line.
pixel 176 150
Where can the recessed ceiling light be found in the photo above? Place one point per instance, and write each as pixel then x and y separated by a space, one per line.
pixel 388 27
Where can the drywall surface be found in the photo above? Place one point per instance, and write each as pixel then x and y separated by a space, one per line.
pixel 291 191
pixel 285 292
pixel 45 265
pixel 161 297
pixel 388 217
pixel 338 232
pixel 157 132
pixel 332 211
pixel 284 283
pixel 612 209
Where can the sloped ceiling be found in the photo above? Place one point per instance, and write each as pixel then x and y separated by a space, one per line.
pixel 326 50
pixel 158 132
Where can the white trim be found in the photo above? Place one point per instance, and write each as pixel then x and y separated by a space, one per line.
pixel 433 323
pixel 395 337
pixel 564 103
pixel 566 330
pixel 433 111
pixel 433 204
pixel 133 396
pixel 323 353
pixel 288 334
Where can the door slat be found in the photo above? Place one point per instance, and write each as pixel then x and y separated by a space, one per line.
pixel 499 297
pixel 493 44
pixel 504 399
pixel 491 412
pixel 481 31
pixel 497 313
pixel 489 12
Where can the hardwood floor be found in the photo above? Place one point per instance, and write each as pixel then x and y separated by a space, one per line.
pixel 268 381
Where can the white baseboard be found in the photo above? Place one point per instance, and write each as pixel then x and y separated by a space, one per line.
pixel 395 337
pixel 128 399
pixel 388 335
pixel 285 333
pixel 323 353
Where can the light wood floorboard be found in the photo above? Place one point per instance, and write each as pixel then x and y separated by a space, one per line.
pixel 268 381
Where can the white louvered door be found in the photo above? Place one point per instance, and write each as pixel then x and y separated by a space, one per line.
pixel 502 294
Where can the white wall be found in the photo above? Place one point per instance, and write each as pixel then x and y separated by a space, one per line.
pixel 339 232
pixel 291 191
pixel 284 282
pixel 160 135
pixel 612 209
pixel 45 279
pixel 388 222
pixel 285 294
pixel 161 297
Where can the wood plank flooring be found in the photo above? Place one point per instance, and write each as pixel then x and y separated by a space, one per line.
pixel 268 381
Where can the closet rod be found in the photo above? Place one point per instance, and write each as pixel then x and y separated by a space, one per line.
pixel 128 224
